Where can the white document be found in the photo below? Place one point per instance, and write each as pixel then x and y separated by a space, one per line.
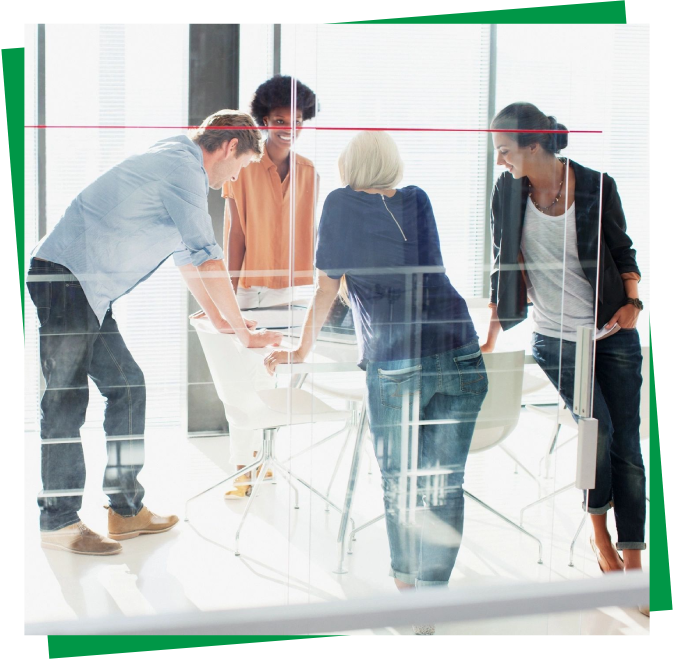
pixel 604 332
pixel 277 317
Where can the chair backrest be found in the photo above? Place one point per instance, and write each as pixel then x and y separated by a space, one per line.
pixel 502 406
pixel 238 373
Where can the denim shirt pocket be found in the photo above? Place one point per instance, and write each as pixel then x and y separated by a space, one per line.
pixel 472 373
pixel 397 385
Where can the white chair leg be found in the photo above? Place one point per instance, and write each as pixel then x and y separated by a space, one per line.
pixel 320 442
pixel 557 448
pixel 234 475
pixel 287 478
pixel 341 455
pixel 543 499
pixel 345 518
pixel 308 486
pixel 518 463
pixel 573 541
pixel 256 487
pixel 352 538
pixel 551 449
pixel 510 522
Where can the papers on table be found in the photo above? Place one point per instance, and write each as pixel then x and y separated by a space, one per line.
pixel 277 317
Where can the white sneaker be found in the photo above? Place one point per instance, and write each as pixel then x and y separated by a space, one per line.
pixel 423 629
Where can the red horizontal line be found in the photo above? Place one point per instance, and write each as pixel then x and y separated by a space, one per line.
pixel 221 128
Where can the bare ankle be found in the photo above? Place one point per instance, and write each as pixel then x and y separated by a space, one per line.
pixel 403 586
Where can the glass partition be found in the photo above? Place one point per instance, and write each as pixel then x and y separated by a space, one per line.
pixel 435 244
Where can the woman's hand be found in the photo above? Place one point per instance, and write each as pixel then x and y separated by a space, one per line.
pixel 262 338
pixel 223 327
pixel 272 360
pixel 626 316
pixel 488 347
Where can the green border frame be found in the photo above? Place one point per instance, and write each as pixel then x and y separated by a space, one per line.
pixel 13 74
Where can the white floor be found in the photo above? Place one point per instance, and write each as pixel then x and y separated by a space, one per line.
pixel 289 556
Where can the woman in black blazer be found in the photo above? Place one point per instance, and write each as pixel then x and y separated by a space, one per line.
pixel 547 207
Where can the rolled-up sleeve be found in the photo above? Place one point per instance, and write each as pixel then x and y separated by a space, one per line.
pixel 185 256
pixel 184 196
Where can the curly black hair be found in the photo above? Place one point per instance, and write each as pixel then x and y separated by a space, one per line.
pixel 275 93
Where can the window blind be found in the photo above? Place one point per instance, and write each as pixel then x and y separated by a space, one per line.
pixel 31 361
pixel 103 75
pixel 406 76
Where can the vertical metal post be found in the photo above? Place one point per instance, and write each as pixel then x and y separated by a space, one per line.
pixel 490 160
pixel 277 49
pixel 586 455
pixel 42 134
pixel 213 85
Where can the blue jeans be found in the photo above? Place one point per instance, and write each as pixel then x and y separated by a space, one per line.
pixel 74 346
pixel 423 464
pixel 620 472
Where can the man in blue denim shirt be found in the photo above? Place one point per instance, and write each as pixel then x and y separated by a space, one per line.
pixel 113 236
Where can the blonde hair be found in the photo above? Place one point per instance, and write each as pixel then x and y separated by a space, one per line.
pixel 210 137
pixel 371 161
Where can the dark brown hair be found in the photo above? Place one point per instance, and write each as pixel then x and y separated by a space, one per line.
pixel 523 116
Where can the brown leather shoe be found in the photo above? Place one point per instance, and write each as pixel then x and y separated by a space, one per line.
pixel 79 539
pixel 145 522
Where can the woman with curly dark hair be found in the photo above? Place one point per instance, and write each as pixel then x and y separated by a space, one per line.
pixel 257 224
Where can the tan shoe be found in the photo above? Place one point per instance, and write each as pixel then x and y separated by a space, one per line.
pixel 602 562
pixel 79 539
pixel 240 491
pixel 268 476
pixel 145 522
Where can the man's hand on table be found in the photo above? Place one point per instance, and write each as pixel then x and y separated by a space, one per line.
pixel 272 360
pixel 222 326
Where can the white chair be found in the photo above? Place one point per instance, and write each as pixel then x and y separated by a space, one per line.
pixel 497 419
pixel 351 389
pixel 531 384
pixel 252 402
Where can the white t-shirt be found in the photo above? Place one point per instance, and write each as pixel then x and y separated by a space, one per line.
pixel 553 269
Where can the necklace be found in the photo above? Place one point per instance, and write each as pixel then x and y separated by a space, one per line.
pixel 554 202
pixel 392 215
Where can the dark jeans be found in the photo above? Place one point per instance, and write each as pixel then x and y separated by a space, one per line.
pixel 74 346
pixel 424 511
pixel 620 472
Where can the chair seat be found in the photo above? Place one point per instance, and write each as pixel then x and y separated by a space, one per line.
pixel 286 407
pixel 532 383
pixel 347 393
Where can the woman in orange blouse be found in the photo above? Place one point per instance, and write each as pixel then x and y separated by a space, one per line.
pixel 257 225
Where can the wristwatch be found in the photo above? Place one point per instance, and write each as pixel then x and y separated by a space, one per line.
pixel 635 302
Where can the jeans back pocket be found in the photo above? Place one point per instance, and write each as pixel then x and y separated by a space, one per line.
pixel 41 295
pixel 396 386
pixel 472 373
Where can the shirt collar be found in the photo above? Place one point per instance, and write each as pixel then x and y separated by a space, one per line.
pixel 269 164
